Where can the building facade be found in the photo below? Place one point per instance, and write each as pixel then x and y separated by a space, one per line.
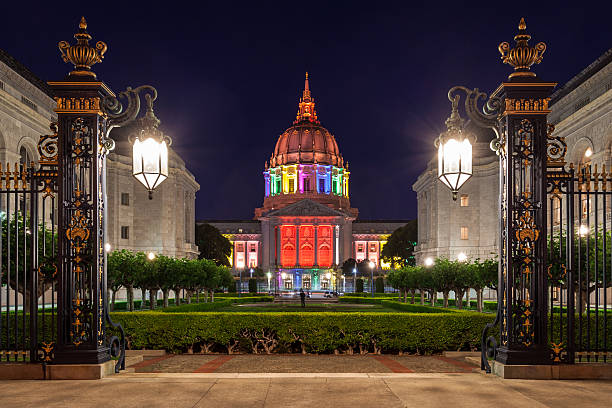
pixel 306 227
pixel 164 225
pixel 581 111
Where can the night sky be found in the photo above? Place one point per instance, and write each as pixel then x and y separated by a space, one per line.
pixel 229 75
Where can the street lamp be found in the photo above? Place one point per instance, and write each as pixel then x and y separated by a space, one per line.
pixel 354 280
pixel 454 151
pixel 428 261
pixel 584 230
pixel 371 265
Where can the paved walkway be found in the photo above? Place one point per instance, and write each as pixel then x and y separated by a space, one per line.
pixel 296 390
pixel 292 363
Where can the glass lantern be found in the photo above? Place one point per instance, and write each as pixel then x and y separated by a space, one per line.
pixel 150 151
pixel 150 162
pixel 454 152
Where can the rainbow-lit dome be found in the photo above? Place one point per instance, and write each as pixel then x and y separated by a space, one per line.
pixel 306 164
pixel 306 141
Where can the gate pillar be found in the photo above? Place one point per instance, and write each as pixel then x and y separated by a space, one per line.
pixel 523 159
pixel 81 193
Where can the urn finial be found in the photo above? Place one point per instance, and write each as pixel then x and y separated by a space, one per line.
pixel 522 56
pixel 82 55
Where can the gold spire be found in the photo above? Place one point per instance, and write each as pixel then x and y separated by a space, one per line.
pixel 522 56
pixel 306 106
pixel 82 55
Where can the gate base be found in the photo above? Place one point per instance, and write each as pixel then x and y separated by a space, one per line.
pixel 26 371
pixel 578 371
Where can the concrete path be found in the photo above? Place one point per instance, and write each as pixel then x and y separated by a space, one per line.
pixel 337 390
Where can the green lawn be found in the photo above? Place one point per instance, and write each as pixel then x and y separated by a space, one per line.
pixel 295 307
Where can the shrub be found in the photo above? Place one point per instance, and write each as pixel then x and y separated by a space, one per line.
pixel 252 285
pixel 359 286
pixel 303 332
pixel 380 285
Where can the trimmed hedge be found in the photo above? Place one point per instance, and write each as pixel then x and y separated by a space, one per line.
pixel 303 332
pixel 216 305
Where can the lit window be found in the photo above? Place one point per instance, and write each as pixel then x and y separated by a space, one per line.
pixel 464 232
pixel 465 201
pixel 292 186
pixel 321 186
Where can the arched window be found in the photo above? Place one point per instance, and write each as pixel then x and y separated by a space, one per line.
pixel 24 157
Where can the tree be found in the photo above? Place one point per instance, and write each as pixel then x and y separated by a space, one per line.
pixel 213 245
pixel 463 279
pixel 116 266
pixel 424 283
pixel 348 266
pixel 589 251
pixel 165 276
pixel 399 249
pixel 485 275
pixel 443 274
pixel 16 243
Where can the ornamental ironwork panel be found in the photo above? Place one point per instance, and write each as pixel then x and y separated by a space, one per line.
pixel 580 263
pixel 28 256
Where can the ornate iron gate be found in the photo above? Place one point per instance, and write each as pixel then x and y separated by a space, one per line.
pixel 31 315
pixel 579 259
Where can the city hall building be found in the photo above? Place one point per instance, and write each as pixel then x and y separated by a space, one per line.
pixel 306 227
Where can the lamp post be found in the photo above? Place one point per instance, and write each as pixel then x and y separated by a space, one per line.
pixel 354 280
pixel 516 111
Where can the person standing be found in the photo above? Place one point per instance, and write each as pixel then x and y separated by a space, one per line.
pixel 303 297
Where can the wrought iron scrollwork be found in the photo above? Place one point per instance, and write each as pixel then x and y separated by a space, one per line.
pixel 556 148
pixel 486 116
pixel 120 114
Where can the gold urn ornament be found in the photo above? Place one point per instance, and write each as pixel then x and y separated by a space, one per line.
pixel 522 57
pixel 81 54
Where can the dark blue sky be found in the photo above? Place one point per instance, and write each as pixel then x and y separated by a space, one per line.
pixel 229 75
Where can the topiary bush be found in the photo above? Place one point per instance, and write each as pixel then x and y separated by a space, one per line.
pixel 359 286
pixel 379 285
pixel 253 286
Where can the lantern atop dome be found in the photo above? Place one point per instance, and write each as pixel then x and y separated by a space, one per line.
pixel 306 106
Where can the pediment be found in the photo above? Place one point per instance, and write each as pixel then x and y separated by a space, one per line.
pixel 306 207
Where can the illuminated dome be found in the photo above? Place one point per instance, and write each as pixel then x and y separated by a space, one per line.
pixel 306 164
pixel 306 141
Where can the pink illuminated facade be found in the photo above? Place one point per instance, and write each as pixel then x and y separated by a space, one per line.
pixel 306 227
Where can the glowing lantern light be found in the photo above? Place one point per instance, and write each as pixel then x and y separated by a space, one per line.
pixel 462 257
pixel 584 230
pixel 151 256
pixel 150 150
pixel 429 261
pixel 454 152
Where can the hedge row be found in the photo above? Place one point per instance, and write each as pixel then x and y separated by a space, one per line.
pixel 216 305
pixel 303 332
